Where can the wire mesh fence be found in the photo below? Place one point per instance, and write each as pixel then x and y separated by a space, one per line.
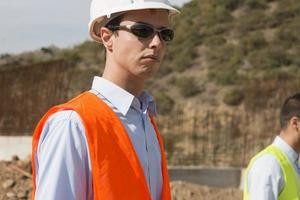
pixel 27 92
pixel 208 137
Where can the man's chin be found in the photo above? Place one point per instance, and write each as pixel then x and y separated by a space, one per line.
pixel 149 71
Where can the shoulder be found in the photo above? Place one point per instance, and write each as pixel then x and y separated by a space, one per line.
pixel 64 115
pixel 265 165
pixel 265 176
pixel 62 127
pixel 65 118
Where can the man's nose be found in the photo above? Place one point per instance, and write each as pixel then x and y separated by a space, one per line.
pixel 156 41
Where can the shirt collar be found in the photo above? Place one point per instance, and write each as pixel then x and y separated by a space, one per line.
pixel 117 96
pixel 120 98
pixel 148 103
pixel 287 149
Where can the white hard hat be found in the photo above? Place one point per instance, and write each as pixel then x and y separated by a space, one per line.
pixel 103 11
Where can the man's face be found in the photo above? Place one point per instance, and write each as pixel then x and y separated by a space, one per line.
pixel 140 57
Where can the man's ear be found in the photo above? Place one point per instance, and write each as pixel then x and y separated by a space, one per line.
pixel 106 37
pixel 295 123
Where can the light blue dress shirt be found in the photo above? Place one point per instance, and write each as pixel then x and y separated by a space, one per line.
pixel 265 177
pixel 63 168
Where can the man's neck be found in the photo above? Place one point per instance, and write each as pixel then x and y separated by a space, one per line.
pixel 291 140
pixel 132 85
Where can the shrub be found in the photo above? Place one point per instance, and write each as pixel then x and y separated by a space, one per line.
pixel 225 76
pixel 288 34
pixel 5 56
pixel 91 53
pixel 295 59
pixel 181 51
pixel 47 50
pixel 270 57
pixel 255 19
pixel 215 41
pixel 288 9
pixel 216 14
pixel 256 4
pixel 230 4
pixel 233 97
pixel 187 86
pixel 70 55
pixel 224 57
pixel 253 42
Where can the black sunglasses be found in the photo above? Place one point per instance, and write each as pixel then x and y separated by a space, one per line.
pixel 145 31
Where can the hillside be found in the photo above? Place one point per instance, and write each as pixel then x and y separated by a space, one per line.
pixel 219 89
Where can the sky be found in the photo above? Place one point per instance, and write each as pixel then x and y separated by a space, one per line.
pixel 27 25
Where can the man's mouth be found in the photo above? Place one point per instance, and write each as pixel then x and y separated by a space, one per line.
pixel 152 57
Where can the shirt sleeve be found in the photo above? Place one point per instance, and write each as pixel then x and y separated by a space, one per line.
pixel 265 179
pixel 63 164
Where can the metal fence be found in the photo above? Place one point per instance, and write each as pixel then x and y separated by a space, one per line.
pixel 209 137
pixel 27 92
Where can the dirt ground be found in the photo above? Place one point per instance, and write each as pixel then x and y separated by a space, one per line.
pixel 15 184
pixel 187 191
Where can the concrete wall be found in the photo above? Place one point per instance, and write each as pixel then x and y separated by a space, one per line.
pixel 215 177
pixel 14 145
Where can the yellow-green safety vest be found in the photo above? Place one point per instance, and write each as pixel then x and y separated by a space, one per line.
pixel 291 189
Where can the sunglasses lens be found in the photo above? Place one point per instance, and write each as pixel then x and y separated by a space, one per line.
pixel 167 34
pixel 142 31
pixel 145 31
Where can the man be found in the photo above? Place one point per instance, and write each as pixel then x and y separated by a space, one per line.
pixel 274 173
pixel 104 144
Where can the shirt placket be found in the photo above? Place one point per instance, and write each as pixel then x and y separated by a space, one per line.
pixel 147 145
pixel 142 109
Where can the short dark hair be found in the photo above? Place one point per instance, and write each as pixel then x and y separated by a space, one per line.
pixel 289 109
pixel 115 21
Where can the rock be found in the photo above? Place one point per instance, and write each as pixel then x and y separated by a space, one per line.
pixel 22 195
pixel 10 195
pixel 15 158
pixel 8 184
pixel 29 195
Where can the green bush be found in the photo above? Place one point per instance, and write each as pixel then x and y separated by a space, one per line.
pixel 70 55
pixel 91 53
pixel 230 4
pixel 224 56
pixel 226 76
pixel 5 56
pixel 187 86
pixel 256 4
pixel 271 57
pixel 295 59
pixel 215 41
pixel 253 42
pixel 254 20
pixel 233 97
pixel 277 74
pixel 288 34
pixel 181 51
pixel 47 50
pixel 287 9
pixel 217 14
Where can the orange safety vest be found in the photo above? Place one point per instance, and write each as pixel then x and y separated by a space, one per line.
pixel 116 170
